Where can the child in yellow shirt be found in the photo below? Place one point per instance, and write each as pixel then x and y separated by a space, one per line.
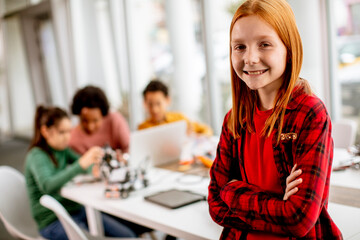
pixel 156 101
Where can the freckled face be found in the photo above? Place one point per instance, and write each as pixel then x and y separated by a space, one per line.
pixel 258 55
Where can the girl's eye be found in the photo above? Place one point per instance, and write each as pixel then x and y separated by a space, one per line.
pixel 240 47
pixel 263 45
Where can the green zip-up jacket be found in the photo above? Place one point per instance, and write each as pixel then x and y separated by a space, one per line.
pixel 43 177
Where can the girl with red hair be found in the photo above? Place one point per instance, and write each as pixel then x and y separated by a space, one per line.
pixel 270 178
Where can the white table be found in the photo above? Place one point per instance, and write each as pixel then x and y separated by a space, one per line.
pixel 345 184
pixel 193 221
pixel 188 222
pixel 349 178
pixel 345 189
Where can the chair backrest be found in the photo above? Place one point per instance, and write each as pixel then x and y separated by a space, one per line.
pixel 14 205
pixel 344 133
pixel 72 230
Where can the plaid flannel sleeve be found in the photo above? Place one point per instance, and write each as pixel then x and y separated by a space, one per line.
pixel 254 207
pixel 220 174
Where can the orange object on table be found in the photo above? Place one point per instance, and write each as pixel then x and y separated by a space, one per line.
pixel 205 160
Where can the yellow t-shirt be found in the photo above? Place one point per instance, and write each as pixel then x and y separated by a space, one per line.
pixel 173 117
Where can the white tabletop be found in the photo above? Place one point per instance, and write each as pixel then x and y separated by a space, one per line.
pixel 193 221
pixel 188 222
pixel 349 177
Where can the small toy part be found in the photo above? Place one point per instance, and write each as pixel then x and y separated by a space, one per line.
pixel 355 150
pixel 121 179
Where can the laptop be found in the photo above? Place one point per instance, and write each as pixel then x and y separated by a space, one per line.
pixel 157 145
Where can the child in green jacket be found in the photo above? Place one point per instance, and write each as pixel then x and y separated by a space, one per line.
pixel 50 164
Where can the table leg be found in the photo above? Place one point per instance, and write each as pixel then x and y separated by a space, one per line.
pixel 94 221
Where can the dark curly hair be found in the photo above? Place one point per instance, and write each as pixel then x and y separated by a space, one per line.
pixel 90 97
pixel 154 86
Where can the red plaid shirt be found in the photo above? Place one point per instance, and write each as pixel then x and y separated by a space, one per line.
pixel 241 207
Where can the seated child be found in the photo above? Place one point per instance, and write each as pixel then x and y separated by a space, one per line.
pixel 98 126
pixel 50 164
pixel 156 101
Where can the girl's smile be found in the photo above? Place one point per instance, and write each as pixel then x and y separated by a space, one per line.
pixel 258 57
pixel 259 72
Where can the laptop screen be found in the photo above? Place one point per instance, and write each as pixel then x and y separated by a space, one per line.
pixel 160 145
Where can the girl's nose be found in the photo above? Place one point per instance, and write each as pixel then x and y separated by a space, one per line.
pixel 251 57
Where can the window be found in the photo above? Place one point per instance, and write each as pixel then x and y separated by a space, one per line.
pixel 346 26
pixel 223 12
pixel 96 50
pixel 165 42
pixel 19 85
pixel 168 41
pixel 50 62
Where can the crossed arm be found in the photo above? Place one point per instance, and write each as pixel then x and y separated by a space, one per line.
pixel 237 204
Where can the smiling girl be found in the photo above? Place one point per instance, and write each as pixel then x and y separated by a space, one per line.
pixel 270 178
pixel 50 164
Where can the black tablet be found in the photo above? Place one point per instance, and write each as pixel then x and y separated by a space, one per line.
pixel 174 198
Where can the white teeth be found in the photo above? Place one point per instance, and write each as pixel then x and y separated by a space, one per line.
pixel 255 72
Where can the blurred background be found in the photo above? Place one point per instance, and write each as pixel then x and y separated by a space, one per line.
pixel 50 48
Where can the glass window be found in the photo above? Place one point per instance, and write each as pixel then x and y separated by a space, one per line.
pixel 217 17
pixel 346 26
pixel 20 90
pixel 95 50
pixel 166 42
pixel 51 64
pixel 107 53
pixel 223 13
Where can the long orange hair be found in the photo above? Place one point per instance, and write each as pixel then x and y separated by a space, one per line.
pixel 279 15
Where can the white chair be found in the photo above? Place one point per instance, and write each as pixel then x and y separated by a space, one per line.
pixel 72 230
pixel 14 205
pixel 344 133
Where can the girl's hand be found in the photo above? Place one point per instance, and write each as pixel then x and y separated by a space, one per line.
pixel 292 181
pixel 96 171
pixel 121 157
pixel 92 156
